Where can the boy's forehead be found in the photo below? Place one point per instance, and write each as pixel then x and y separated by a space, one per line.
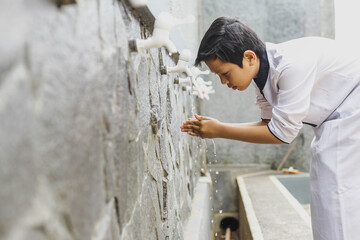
pixel 215 65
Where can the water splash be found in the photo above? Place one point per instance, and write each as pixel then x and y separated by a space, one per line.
pixel 192 98
pixel 138 136
pixel 216 172
pixel 214 147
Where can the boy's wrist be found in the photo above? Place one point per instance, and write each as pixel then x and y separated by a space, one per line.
pixel 220 130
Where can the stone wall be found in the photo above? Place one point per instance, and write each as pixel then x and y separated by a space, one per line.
pixel 274 21
pixel 90 146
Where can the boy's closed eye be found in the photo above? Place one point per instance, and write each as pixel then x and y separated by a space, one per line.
pixel 226 75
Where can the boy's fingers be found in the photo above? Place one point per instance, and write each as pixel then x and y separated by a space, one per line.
pixel 195 127
pixel 197 123
pixel 191 128
pixel 193 134
pixel 192 120
pixel 187 123
pixel 186 129
pixel 200 117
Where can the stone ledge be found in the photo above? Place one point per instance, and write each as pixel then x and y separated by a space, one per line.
pixel 198 226
pixel 266 212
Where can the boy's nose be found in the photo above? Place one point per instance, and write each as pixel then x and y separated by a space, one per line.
pixel 224 81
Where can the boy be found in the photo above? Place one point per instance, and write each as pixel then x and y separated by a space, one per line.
pixel 311 81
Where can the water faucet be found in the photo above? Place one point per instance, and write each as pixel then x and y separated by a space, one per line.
pixel 201 95
pixel 160 37
pixel 182 81
pixel 137 3
pixel 186 88
pixel 202 89
pixel 181 66
pixel 202 82
pixel 196 72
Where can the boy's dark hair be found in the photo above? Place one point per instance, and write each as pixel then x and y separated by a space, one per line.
pixel 227 39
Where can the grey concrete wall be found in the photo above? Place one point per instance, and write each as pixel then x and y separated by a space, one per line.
pixel 90 146
pixel 274 21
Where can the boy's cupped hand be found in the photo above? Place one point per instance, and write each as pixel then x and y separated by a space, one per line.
pixel 204 127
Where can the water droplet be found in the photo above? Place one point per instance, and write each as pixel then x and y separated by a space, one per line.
pixel 220 211
pixel 216 190
pixel 217 172
pixel 214 147
pixel 216 234
pixel 212 220
pixel 202 169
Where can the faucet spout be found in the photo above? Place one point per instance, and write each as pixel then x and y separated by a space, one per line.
pixel 137 3
pixel 183 64
pixel 162 27
pixel 196 72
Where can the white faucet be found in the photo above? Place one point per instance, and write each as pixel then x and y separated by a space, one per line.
pixel 182 65
pixel 162 27
pixel 137 3
pixel 182 81
pixel 196 72
pixel 187 88
pixel 202 82
pixel 200 94
pixel 202 89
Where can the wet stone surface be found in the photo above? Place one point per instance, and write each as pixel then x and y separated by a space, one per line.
pixel 89 132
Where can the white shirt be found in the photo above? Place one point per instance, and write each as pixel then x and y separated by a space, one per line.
pixel 308 79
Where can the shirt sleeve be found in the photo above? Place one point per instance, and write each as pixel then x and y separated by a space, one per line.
pixel 294 84
pixel 263 104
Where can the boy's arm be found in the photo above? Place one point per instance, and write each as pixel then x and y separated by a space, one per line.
pixel 248 133
pixel 249 124
pixel 256 132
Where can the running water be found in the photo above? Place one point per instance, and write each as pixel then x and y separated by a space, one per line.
pixel 192 97
pixel 214 148
pixel 214 177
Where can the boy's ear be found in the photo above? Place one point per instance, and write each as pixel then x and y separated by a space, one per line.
pixel 250 56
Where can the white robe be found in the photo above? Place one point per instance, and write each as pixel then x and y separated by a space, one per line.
pixel 317 81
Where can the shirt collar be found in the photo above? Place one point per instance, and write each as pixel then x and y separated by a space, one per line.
pixel 263 72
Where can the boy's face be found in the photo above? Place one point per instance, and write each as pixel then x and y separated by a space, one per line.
pixel 234 76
